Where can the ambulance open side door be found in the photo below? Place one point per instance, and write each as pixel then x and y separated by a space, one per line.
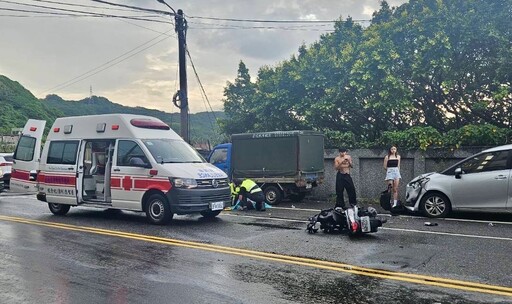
pixel 26 158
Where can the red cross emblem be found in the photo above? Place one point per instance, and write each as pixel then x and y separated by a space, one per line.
pixel 127 183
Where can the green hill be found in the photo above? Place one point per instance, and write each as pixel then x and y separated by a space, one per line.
pixel 18 105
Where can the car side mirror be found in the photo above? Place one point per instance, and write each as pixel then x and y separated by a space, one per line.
pixel 458 173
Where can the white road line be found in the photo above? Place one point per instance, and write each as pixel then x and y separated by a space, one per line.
pixel 478 221
pixel 383 228
pixel 297 209
pixel 409 216
pixel 451 234
pixel 265 218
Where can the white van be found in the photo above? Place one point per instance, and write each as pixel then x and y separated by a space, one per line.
pixel 117 161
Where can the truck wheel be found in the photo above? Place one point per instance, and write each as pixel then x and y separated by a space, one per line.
pixel 210 214
pixel 435 205
pixel 58 209
pixel 298 197
pixel 158 210
pixel 273 195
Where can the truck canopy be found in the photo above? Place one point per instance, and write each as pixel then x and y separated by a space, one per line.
pixel 277 154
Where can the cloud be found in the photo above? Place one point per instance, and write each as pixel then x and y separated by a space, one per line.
pixel 130 62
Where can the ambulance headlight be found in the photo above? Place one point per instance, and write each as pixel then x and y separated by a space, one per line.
pixel 186 183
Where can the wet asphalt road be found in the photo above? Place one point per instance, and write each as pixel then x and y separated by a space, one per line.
pixel 71 264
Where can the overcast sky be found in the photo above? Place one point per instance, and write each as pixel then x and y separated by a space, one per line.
pixel 135 63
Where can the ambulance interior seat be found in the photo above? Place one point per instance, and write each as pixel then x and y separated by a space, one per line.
pixel 98 171
pixel 97 164
pixel 137 162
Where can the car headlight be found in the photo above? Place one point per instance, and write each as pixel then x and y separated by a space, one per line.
pixel 186 183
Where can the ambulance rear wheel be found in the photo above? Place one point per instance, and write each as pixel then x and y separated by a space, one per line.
pixel 158 210
pixel 273 195
pixel 58 209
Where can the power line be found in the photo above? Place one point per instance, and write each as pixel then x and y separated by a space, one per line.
pixel 270 21
pixel 135 7
pixel 261 28
pixel 87 6
pixel 87 14
pixel 202 88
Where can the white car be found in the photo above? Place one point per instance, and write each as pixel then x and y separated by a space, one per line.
pixel 481 183
pixel 5 167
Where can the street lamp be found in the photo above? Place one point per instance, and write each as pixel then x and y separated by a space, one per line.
pixel 163 2
pixel 181 95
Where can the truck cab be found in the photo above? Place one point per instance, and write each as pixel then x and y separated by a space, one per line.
pixel 285 164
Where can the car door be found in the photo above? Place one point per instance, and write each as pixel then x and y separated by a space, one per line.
pixel 129 175
pixel 26 158
pixel 484 182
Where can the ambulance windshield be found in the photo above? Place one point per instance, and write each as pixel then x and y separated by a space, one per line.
pixel 172 151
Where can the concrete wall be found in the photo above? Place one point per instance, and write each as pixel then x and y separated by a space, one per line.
pixel 368 172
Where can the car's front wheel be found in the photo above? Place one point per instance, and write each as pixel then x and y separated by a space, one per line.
pixel 435 205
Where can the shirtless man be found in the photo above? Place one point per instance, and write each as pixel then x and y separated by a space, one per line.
pixel 342 165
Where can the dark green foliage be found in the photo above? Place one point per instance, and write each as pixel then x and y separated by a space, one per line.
pixel 18 105
pixel 422 74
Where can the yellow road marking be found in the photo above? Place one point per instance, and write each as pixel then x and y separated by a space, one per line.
pixel 309 262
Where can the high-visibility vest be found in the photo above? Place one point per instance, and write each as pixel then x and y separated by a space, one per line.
pixel 250 186
pixel 234 190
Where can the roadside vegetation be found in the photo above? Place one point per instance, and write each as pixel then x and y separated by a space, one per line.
pixel 426 74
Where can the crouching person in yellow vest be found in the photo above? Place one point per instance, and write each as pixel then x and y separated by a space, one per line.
pixel 248 189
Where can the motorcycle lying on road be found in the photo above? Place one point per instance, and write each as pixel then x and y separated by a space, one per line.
pixel 356 220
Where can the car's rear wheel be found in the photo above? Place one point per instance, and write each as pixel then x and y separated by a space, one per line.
pixel 58 209
pixel 435 205
pixel 273 195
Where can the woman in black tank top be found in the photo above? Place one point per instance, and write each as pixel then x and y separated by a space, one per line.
pixel 392 166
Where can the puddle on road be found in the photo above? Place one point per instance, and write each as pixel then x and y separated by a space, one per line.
pixel 323 286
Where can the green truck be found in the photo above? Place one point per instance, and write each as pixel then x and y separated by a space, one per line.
pixel 285 164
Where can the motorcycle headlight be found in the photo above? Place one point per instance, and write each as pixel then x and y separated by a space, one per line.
pixel 186 183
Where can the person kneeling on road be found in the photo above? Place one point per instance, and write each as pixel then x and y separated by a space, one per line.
pixel 248 189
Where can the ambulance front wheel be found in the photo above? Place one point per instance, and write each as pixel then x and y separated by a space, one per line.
pixel 58 209
pixel 158 210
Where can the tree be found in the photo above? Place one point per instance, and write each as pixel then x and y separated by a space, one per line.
pixel 238 103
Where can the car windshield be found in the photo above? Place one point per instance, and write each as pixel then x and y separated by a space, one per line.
pixel 172 151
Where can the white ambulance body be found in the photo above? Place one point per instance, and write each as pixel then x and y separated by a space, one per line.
pixel 117 161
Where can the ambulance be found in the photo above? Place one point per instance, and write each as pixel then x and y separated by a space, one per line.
pixel 117 161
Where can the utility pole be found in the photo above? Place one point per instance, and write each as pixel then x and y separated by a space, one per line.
pixel 180 99
pixel 181 28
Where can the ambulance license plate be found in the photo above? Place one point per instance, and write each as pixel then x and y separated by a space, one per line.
pixel 217 206
pixel 365 224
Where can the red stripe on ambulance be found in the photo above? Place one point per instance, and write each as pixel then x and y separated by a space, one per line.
pixel 20 174
pixel 63 180
pixel 129 183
